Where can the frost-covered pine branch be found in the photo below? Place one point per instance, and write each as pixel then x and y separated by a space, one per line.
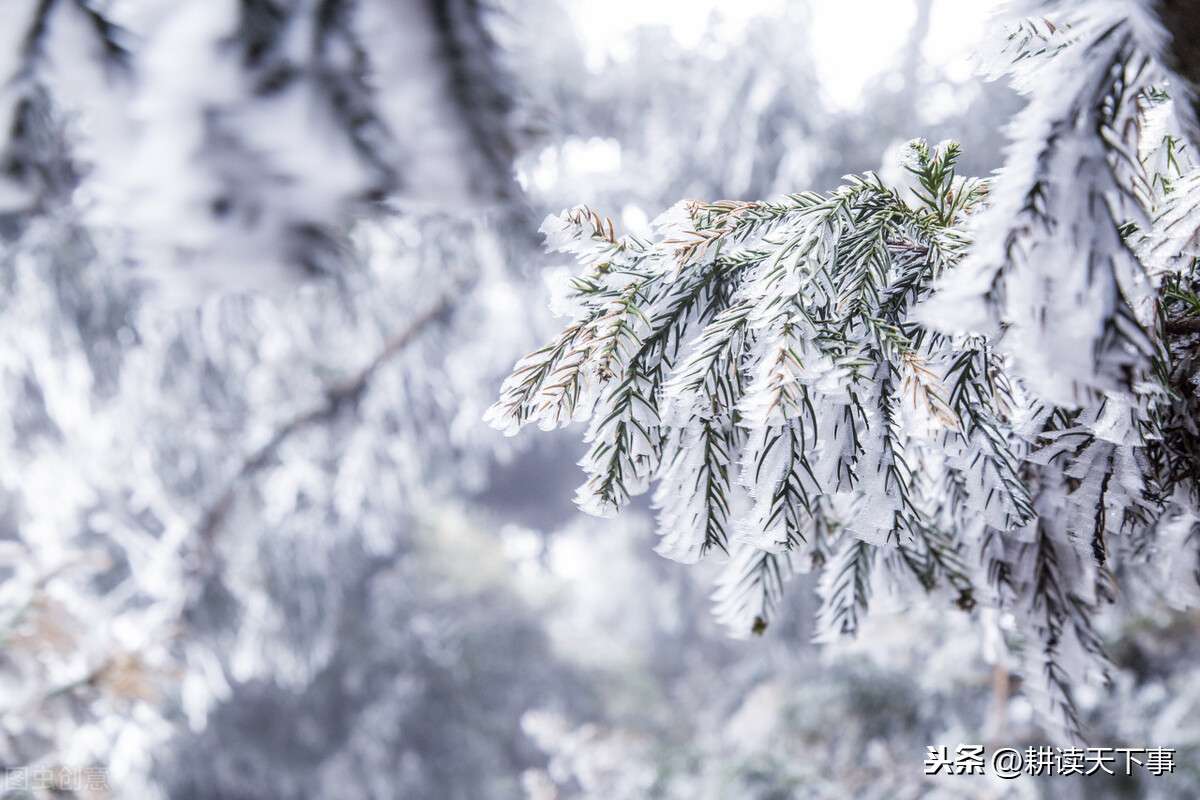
pixel 759 361
pixel 976 389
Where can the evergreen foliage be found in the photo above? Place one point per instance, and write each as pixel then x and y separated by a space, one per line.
pixel 979 389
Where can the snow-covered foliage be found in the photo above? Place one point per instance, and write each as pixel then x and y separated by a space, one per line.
pixel 262 545
pixel 1051 265
pixel 773 719
pixel 847 725
pixel 980 389
pixel 197 127
pixel 152 566
pixel 165 462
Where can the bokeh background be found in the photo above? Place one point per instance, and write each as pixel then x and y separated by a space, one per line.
pixel 263 546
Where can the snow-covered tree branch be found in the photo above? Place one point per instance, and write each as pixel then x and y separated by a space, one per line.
pixel 975 388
